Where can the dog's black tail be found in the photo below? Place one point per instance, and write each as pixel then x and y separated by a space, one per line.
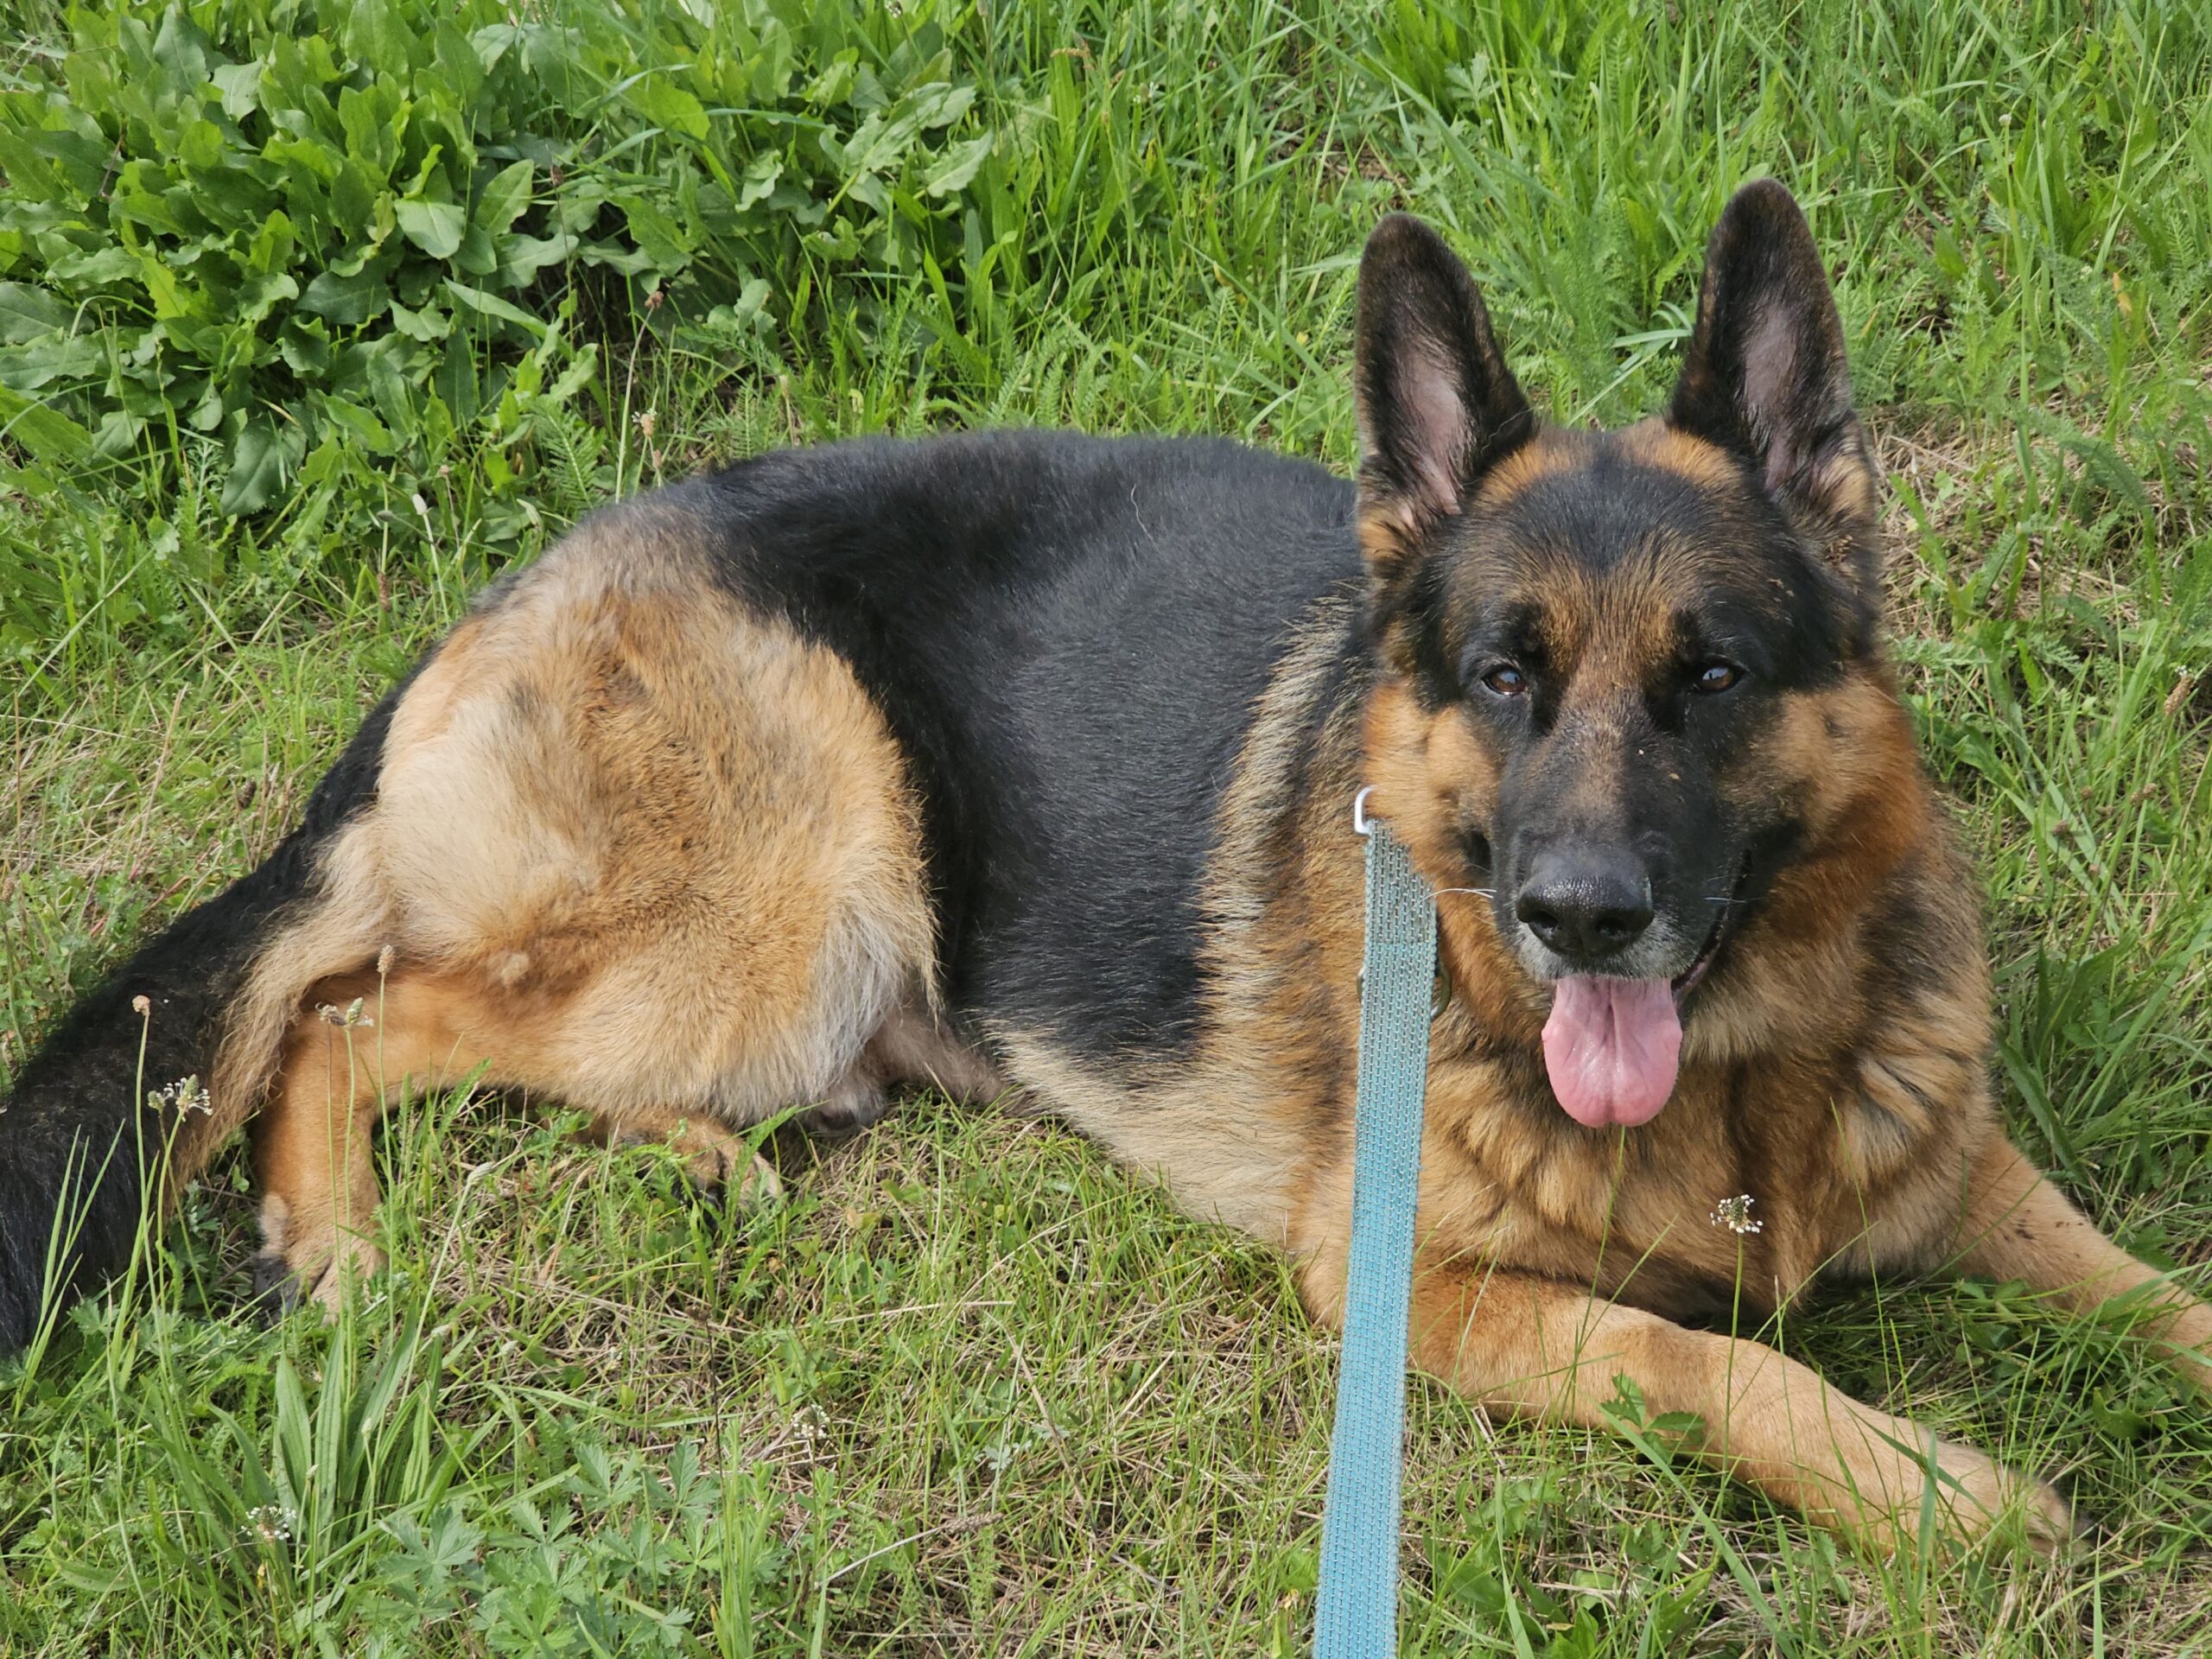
pixel 80 1142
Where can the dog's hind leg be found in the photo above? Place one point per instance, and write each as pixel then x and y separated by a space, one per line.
pixel 358 1042
pixel 635 850
pixel 311 1164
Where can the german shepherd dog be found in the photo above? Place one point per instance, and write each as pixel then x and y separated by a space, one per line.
pixel 1026 762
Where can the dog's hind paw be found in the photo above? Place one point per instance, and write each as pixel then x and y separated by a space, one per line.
pixel 274 1287
pixel 855 1104
pixel 282 1282
pixel 718 1163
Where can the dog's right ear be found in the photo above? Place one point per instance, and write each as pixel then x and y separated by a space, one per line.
pixel 1438 406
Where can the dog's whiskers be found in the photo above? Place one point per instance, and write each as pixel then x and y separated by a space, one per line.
pixel 1480 892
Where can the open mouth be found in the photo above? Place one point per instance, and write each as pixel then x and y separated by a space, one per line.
pixel 1612 1046
pixel 1724 926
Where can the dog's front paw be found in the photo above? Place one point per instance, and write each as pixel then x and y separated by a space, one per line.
pixel 1969 1497
pixel 2187 1341
pixel 2003 1498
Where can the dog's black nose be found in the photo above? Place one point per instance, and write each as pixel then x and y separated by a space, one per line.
pixel 1587 907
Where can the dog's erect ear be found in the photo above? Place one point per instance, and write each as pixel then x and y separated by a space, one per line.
pixel 1766 377
pixel 1438 406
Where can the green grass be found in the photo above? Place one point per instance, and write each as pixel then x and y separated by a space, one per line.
pixel 968 1389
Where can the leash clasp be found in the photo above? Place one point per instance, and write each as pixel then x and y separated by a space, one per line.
pixel 1360 823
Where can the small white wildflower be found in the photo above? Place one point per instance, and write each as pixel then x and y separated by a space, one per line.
pixel 270 1523
pixel 1735 1214
pixel 349 1017
pixel 141 1006
pixel 185 1095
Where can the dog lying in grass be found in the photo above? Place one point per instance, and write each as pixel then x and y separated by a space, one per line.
pixel 1025 761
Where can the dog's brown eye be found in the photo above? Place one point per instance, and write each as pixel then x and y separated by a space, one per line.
pixel 1718 677
pixel 1506 680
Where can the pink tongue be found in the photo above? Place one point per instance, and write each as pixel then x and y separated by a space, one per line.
pixel 1611 1046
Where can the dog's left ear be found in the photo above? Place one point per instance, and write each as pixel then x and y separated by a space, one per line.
pixel 1765 378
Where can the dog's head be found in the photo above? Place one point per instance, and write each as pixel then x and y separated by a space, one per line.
pixel 1621 666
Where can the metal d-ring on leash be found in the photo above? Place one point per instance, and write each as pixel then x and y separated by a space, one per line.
pixel 1357 1614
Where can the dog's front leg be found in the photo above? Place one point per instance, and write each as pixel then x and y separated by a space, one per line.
pixel 1536 1347
pixel 2017 1225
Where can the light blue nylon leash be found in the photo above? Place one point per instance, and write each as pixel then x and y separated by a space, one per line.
pixel 1355 1616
